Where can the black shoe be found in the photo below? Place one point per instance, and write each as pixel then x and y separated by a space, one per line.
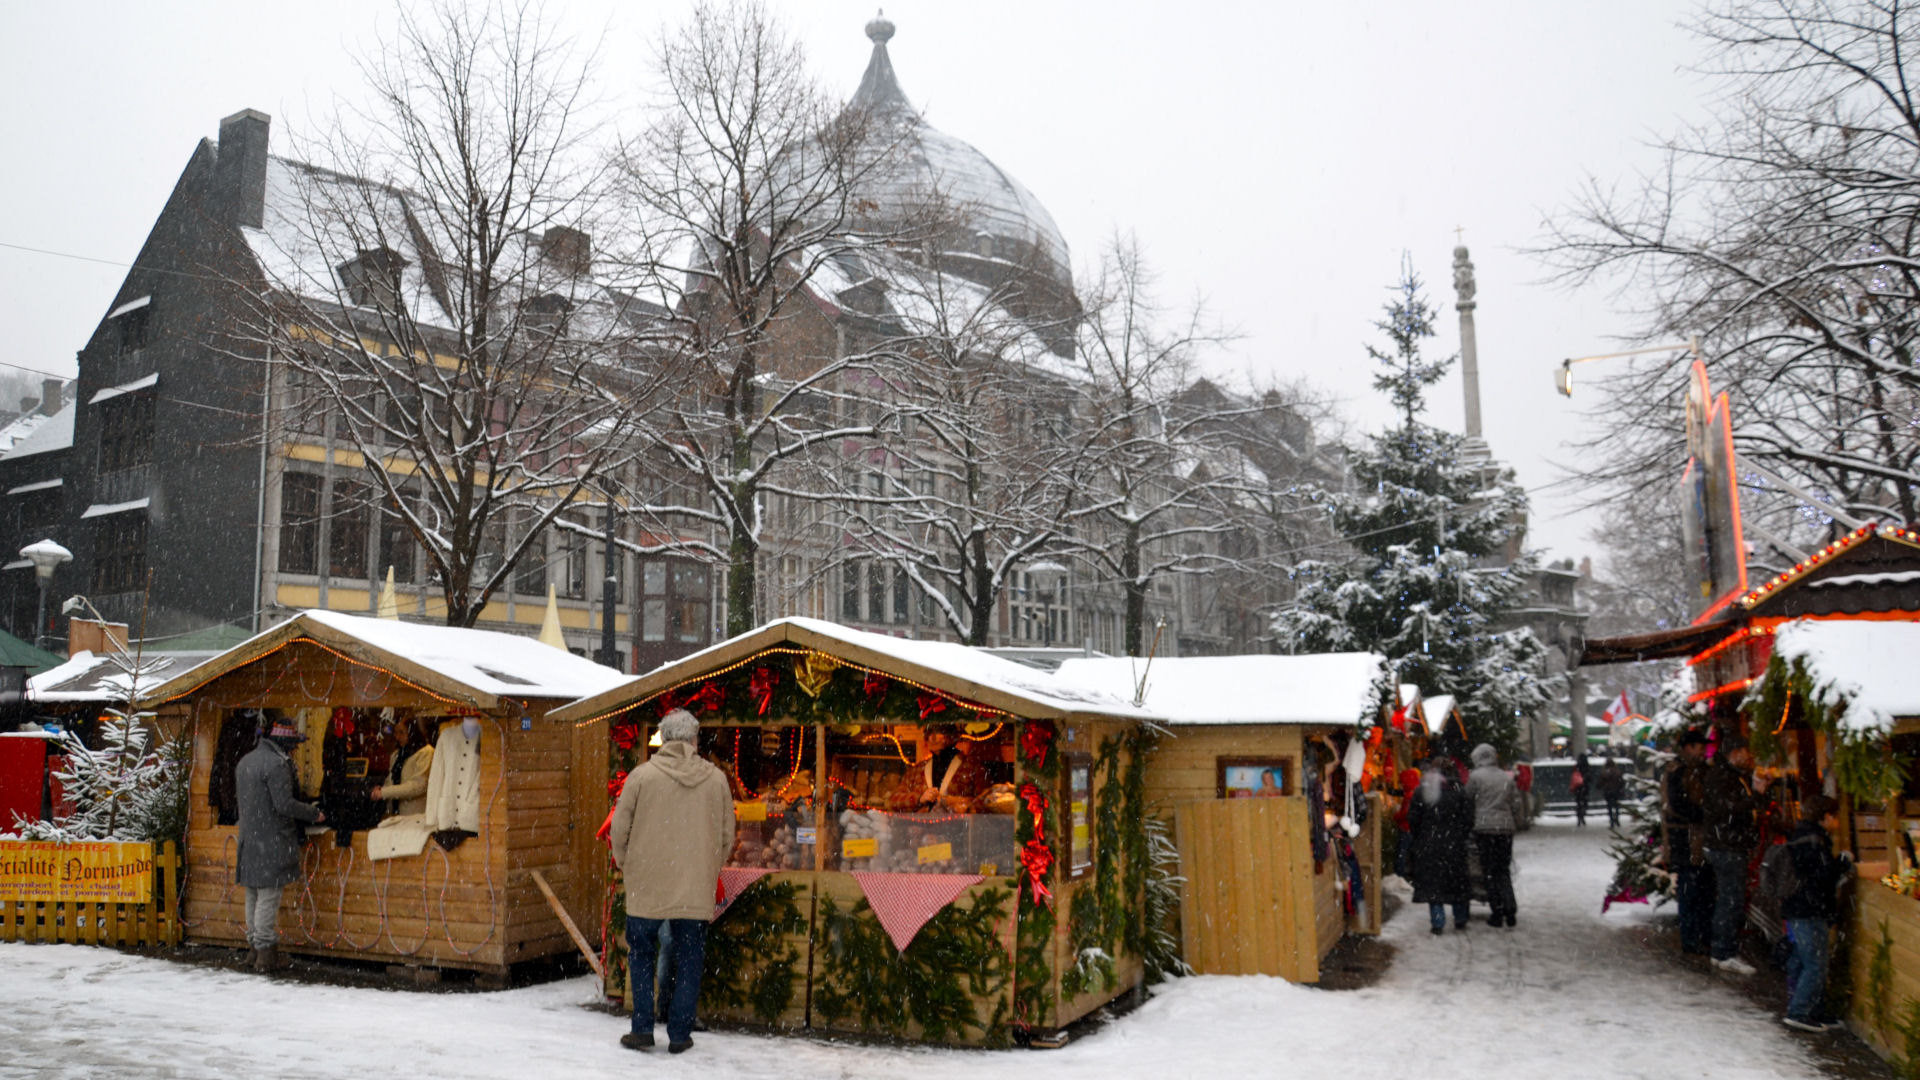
pixel 679 1047
pixel 1510 922
pixel 1459 926
pixel 637 1040
pixel 1437 931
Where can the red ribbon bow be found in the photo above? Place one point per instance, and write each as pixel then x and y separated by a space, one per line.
pixel 625 734
pixel 667 702
pixel 1036 801
pixel 874 685
pixel 342 722
pixel 1037 858
pixel 709 697
pixel 614 785
pixel 1036 738
pixel 761 686
pixel 930 704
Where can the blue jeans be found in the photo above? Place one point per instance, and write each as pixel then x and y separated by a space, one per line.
pixel 1729 901
pixel 689 951
pixel 1807 969
pixel 1438 914
pixel 1693 893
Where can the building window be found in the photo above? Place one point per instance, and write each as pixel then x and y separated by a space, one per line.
pixel 347 532
pixel 126 432
pixel 132 329
pixel 300 523
pixel 530 575
pixel 674 600
pixel 396 542
pixel 689 607
pixel 574 559
pixel 305 410
pixel 850 591
pixel 373 279
pixel 120 554
pixel 36 512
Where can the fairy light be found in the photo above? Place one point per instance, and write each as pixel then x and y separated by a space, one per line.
pixel 393 675
pixel 1737 684
pixel 1826 554
pixel 1784 710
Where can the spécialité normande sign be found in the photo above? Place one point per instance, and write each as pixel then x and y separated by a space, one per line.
pixel 97 872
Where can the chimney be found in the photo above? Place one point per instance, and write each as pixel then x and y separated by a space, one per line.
pixel 27 405
pixel 240 175
pixel 50 395
pixel 568 249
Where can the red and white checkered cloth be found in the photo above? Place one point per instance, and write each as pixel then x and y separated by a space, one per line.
pixel 904 902
pixel 735 880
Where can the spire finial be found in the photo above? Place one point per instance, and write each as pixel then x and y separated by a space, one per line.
pixel 880 30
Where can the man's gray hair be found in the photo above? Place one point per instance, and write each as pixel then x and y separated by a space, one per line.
pixel 679 726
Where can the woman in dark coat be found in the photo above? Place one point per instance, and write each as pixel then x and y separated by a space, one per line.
pixel 1442 827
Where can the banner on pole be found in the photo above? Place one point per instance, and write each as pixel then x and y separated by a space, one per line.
pixel 93 871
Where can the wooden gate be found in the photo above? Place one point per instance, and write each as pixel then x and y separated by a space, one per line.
pixel 1247 907
pixel 86 922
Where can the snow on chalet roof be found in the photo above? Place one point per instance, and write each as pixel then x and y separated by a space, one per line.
pixel 1326 688
pixel 97 678
pixel 1438 708
pixel 1866 665
pixel 486 663
pixel 38 433
pixel 946 665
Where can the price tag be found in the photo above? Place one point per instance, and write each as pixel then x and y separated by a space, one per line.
pixel 989 869
pixel 860 847
pixel 750 811
pixel 936 853
pixel 804 835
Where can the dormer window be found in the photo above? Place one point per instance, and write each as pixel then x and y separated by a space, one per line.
pixel 373 278
pixel 546 315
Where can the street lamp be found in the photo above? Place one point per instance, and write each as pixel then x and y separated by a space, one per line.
pixel 46 556
pixel 1563 375
pixel 1050 585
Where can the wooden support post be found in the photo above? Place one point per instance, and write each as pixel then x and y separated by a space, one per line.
pixel 579 939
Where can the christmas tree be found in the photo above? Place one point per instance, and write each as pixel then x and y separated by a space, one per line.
pixel 1435 574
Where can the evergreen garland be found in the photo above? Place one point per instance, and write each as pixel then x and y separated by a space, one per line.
pixel 956 960
pixel 1033 1001
pixel 1135 857
pixel 1863 766
pixel 751 961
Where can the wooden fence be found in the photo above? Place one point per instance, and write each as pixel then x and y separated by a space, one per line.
pixel 1248 905
pixel 86 922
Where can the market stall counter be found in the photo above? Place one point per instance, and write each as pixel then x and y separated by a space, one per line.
pixel 933 844
pixel 445 784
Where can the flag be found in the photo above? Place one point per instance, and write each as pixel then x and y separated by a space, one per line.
pixel 1617 711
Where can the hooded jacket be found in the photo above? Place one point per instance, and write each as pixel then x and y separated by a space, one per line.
pixel 672 832
pixel 1496 798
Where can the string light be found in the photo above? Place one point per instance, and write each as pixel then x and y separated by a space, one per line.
pixel 1826 554
pixel 1737 684
pixel 392 675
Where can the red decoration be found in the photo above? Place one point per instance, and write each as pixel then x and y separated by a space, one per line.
pixel 1036 738
pixel 1037 858
pixel 342 722
pixel 875 685
pixel 667 702
pixel 761 687
pixel 625 734
pixel 930 704
pixel 709 697
pixel 1036 801
pixel 615 785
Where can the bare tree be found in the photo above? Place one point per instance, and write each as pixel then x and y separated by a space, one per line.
pixel 1782 234
pixel 431 301
pixel 746 195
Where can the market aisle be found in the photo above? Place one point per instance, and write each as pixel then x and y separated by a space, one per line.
pixel 1564 996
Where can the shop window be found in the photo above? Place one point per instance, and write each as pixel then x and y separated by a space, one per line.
pixel 925 799
pixel 300 523
pixel 120 553
pixel 347 531
pixel 126 432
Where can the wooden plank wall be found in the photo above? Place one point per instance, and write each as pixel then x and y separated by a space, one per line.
pixel 540 806
pixel 1183 765
pixel 1876 906
pixel 89 923
pixel 592 863
pixel 1249 903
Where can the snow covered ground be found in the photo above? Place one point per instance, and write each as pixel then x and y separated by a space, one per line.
pixel 1568 994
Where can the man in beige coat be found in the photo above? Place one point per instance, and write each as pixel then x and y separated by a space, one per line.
pixel 672 832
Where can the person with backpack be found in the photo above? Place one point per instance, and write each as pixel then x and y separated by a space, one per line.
pixel 1804 876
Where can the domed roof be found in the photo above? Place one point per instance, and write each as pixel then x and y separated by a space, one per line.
pixel 1009 225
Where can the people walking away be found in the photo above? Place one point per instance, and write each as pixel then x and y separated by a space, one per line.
pixel 1442 823
pixel 1581 783
pixel 1805 876
pixel 671 832
pixel 1680 795
pixel 1403 836
pixel 1729 799
pixel 1497 810
pixel 1613 784
pixel 267 858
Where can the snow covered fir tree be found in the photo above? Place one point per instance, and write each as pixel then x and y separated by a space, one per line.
pixel 1435 572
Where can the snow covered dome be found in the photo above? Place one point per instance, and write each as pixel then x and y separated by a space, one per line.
pixel 1006 230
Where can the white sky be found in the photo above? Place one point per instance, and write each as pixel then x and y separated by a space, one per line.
pixel 1276 159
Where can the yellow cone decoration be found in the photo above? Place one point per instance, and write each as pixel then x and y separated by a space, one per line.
pixel 550 626
pixel 389 603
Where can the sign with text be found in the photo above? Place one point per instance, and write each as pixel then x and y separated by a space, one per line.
pixel 98 872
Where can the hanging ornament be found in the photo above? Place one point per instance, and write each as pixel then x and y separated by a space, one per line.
pixel 930 704
pixel 875 685
pixel 761 687
pixel 813 671
pixel 1037 859
pixel 342 722
pixel 1036 801
pixel 1036 738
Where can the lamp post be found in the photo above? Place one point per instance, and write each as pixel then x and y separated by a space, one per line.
pixel 1050 579
pixel 610 585
pixel 46 556
pixel 1563 375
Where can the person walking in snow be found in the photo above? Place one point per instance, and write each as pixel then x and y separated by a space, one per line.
pixel 1730 798
pixel 1581 781
pixel 1681 794
pixel 1613 784
pixel 671 833
pixel 1497 813
pixel 1403 825
pixel 267 858
pixel 1442 825
pixel 1808 912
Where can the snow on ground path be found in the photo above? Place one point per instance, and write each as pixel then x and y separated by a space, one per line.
pixel 1566 995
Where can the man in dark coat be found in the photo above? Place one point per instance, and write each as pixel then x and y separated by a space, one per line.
pixel 1686 849
pixel 1809 911
pixel 268 857
pixel 1613 784
pixel 1730 798
pixel 1442 827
